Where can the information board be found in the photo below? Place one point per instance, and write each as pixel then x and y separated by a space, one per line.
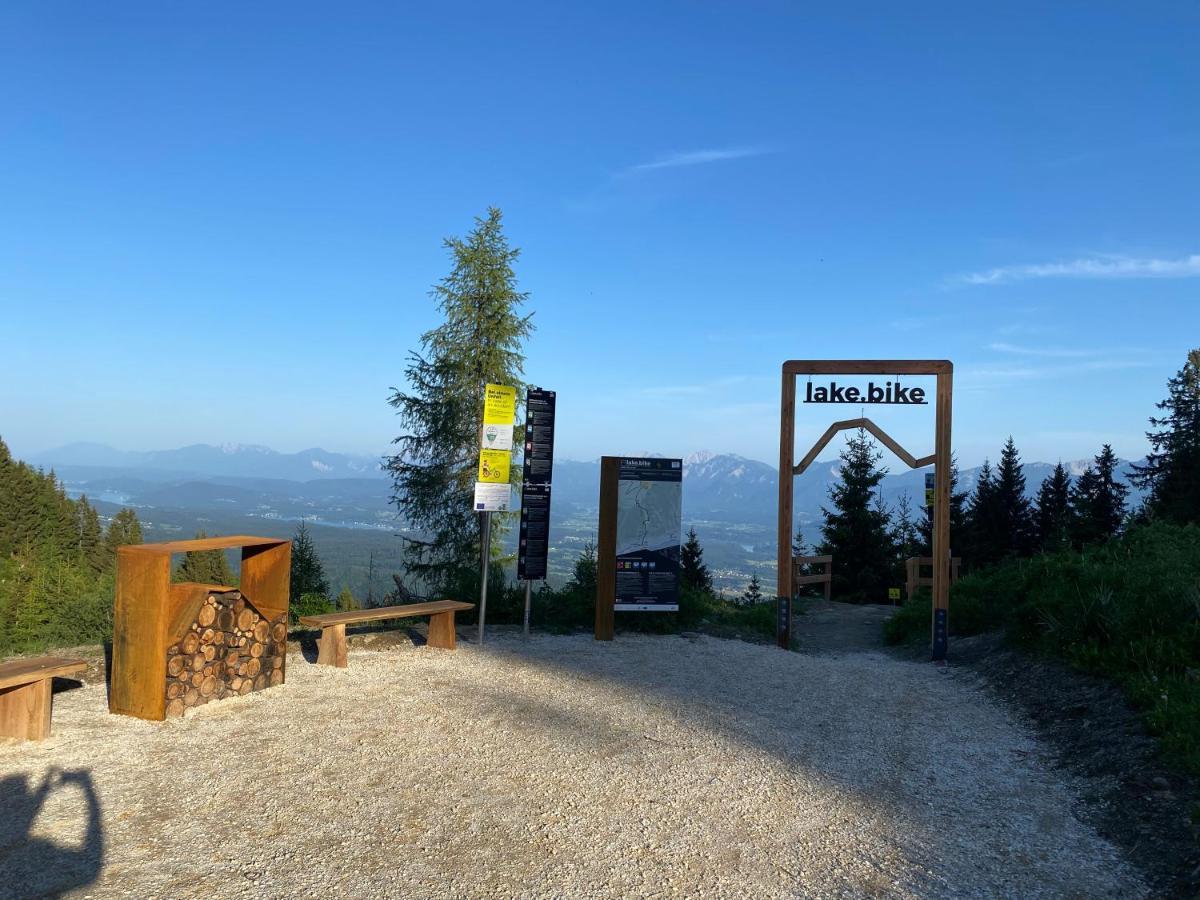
pixel 534 544
pixel 649 524
pixel 492 492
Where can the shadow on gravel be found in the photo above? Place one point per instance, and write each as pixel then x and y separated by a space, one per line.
pixel 897 756
pixel 33 866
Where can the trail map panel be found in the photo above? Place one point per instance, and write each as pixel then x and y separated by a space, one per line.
pixel 649 523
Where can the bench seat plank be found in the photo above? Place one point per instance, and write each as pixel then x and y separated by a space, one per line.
pixel 403 611
pixel 26 671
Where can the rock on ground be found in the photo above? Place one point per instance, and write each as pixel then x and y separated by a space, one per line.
pixel 559 766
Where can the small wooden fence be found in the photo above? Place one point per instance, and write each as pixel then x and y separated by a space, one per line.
pixel 913 566
pixel 825 578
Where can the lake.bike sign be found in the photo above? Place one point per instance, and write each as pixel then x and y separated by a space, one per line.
pixel 891 392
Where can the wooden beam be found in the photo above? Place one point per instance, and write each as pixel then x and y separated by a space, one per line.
pixel 941 517
pixel 606 548
pixel 212 543
pixel 787 449
pixel 867 366
pixel 886 439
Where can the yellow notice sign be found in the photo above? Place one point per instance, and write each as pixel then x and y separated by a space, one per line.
pixel 499 405
pixel 893 593
pixel 493 466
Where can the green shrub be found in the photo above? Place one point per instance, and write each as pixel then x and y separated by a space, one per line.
pixel 309 605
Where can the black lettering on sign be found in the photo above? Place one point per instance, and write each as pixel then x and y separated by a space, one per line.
pixel 890 392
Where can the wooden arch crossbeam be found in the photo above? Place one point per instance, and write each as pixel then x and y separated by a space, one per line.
pixel 886 439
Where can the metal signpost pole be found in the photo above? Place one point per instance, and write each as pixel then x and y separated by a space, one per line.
pixel 485 531
pixel 528 592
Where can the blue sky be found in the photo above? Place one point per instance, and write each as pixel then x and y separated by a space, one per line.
pixel 219 222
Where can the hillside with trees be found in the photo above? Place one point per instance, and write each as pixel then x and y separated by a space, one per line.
pixel 57 561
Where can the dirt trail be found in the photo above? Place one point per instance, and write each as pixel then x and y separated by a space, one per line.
pixel 831 627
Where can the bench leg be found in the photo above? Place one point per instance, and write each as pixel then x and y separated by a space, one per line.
pixel 441 630
pixel 331 646
pixel 25 711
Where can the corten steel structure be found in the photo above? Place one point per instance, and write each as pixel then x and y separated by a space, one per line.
pixel 150 611
pixel 943 370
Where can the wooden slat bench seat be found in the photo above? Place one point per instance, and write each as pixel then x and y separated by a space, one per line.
pixel 331 648
pixel 25 697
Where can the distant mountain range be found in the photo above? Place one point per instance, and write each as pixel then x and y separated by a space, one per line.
pixel 228 460
pixel 346 490
pixel 730 500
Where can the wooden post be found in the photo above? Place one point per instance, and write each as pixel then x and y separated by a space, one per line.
pixel 25 710
pixel 941 515
pixel 829 582
pixel 331 646
pixel 606 548
pixel 441 631
pixel 787 449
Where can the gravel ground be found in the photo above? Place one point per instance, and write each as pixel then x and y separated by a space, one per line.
pixel 652 766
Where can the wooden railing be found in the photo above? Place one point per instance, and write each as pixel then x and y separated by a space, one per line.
pixel 826 578
pixel 912 569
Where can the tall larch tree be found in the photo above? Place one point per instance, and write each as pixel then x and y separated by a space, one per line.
pixel 480 341
pixel 1171 472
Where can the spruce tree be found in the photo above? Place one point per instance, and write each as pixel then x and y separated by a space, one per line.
pixel 125 528
pixel 693 573
pixel 1053 514
pixel 204 566
pixel 1171 472
pixel 906 536
pixel 1098 501
pixel 92 551
pixel 308 575
pixel 855 530
pixel 480 342
pixel 1013 527
pixel 753 593
pixel 980 518
pixel 583 575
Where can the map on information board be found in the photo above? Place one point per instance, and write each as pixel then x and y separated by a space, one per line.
pixel 649 523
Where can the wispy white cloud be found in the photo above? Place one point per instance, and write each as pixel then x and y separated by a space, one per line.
pixel 697 158
pixel 1054 352
pixel 1088 267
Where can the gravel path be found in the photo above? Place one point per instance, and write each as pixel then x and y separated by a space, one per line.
pixel 652 766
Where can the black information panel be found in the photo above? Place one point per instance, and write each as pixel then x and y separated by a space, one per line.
pixel 649 519
pixel 533 550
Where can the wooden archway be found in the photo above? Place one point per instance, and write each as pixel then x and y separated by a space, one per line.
pixel 944 372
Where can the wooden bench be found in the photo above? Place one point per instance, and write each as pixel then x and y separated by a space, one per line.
pixel 331 648
pixel 25 697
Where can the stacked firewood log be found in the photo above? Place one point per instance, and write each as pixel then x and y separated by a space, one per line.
pixel 229 649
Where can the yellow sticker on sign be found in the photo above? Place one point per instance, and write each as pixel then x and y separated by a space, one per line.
pixel 499 405
pixel 493 466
